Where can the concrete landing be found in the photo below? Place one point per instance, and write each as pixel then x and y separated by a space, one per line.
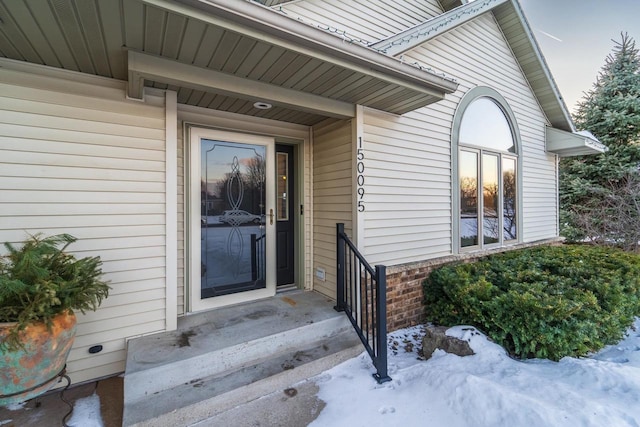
pixel 218 360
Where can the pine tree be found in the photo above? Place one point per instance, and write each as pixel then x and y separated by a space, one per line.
pixel 611 111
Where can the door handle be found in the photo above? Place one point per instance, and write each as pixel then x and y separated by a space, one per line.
pixel 271 216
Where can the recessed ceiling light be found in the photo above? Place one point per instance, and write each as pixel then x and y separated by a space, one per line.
pixel 262 105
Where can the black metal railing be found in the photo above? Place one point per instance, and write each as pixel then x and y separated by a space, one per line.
pixel 362 295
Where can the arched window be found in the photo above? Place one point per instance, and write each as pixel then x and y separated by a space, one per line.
pixel 485 143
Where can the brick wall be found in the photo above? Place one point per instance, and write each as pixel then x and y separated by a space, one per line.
pixel 405 305
pixel 405 298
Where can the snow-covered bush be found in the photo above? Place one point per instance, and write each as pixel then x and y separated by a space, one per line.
pixel 546 302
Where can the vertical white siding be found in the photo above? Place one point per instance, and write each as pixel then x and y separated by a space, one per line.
pixel 332 196
pixel 369 20
pixel 76 157
pixel 408 189
pixel 181 221
pixel 307 197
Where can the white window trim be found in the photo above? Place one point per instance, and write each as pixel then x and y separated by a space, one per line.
pixel 469 97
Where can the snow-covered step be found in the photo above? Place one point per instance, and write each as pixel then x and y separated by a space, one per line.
pixel 205 398
pixel 265 336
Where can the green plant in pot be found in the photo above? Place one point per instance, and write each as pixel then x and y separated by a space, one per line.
pixel 41 286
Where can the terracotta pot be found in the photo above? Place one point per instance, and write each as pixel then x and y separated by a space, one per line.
pixel 29 372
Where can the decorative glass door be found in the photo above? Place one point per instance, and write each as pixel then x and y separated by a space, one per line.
pixel 234 218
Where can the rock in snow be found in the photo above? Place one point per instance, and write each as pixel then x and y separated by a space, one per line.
pixel 436 337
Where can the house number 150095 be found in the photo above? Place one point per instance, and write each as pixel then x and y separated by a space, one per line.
pixel 360 175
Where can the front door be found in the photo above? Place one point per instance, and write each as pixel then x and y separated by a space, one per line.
pixel 232 217
pixel 285 203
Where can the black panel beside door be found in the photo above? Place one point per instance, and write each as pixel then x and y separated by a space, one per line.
pixel 285 201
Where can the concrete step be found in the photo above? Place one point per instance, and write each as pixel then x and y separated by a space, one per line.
pixel 298 405
pixel 207 398
pixel 232 355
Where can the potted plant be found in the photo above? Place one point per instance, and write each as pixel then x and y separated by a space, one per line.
pixel 40 288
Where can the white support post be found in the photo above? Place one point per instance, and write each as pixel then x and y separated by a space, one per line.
pixel 171 206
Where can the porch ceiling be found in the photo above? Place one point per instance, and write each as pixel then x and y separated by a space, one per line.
pixel 233 39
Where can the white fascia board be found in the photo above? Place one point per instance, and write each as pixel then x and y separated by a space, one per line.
pixel 261 23
pixel 154 68
pixel 568 144
pixel 408 39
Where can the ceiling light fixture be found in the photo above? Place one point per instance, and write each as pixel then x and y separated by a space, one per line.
pixel 262 105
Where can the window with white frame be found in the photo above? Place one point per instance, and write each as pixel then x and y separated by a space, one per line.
pixel 487 165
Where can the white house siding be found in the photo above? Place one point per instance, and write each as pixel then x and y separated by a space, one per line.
pixel 366 20
pixel 408 170
pixel 76 157
pixel 407 188
pixel 332 197
pixel 489 61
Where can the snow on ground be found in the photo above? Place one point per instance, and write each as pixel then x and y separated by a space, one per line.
pixel 487 389
pixel 86 412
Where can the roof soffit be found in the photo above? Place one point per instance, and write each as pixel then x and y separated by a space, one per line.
pixel 447 5
pixel 144 67
pixel 270 3
pixel 261 23
pixel 524 46
pixel 241 39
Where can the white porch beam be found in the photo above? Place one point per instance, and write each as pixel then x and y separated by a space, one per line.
pixel 147 67
pixel 171 210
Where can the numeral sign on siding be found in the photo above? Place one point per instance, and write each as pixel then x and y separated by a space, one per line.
pixel 360 175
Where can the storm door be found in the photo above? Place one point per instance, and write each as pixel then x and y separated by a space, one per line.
pixel 233 232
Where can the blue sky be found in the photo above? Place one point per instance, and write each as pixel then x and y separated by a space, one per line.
pixel 575 37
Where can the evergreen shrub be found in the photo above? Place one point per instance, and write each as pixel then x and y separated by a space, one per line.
pixel 40 280
pixel 543 302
